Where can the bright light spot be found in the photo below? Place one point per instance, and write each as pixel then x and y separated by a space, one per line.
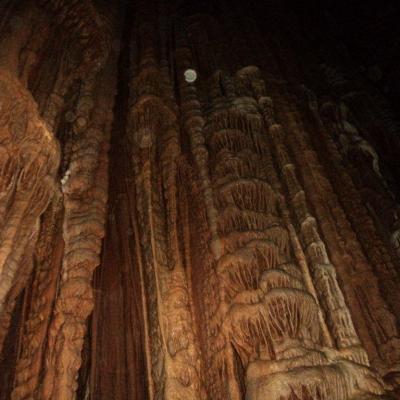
pixel 190 75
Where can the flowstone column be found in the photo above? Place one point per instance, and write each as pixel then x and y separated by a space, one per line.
pixel 266 310
pixel 154 139
pixel 85 187
pixel 356 121
pixel 383 349
pixel 339 320
pixel 29 150
pixel 29 160
pixel 29 157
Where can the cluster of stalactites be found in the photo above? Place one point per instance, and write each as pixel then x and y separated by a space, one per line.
pixel 266 312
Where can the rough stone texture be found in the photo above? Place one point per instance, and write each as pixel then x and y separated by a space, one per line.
pixel 232 237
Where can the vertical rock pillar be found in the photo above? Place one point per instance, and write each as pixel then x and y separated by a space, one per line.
pixel 154 137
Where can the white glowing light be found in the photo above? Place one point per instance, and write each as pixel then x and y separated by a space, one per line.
pixel 190 75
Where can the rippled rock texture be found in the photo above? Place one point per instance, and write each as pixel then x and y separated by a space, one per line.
pixel 194 204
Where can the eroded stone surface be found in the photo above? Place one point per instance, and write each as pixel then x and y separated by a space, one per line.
pixel 233 235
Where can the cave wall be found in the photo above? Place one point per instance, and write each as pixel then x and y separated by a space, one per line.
pixel 235 236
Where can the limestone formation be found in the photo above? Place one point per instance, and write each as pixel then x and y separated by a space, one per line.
pixel 195 203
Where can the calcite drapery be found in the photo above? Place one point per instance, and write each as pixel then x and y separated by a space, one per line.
pixel 238 241
pixel 29 159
